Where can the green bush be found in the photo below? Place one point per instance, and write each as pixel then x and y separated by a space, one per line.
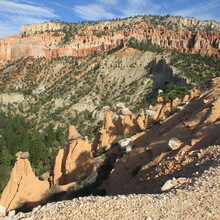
pixel 100 151
pixel 144 45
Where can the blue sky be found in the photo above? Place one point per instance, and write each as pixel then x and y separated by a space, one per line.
pixel 14 13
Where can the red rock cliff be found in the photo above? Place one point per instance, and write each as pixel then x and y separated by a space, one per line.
pixel 97 37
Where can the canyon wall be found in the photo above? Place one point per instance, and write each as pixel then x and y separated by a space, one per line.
pixel 50 39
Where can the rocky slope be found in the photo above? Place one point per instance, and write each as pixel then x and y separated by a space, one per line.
pixel 194 198
pixel 67 88
pixel 71 90
pixel 196 126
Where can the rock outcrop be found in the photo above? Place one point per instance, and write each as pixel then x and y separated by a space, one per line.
pixel 2 211
pixel 72 161
pixel 195 128
pixel 106 134
pixel 23 187
pixel 162 109
pixel 125 124
pixel 49 39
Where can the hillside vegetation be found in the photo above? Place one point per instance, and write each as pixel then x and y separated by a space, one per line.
pixel 72 90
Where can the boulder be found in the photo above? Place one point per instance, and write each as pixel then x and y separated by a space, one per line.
pixel 25 155
pixel 125 142
pixel 11 213
pixel 125 111
pixel 174 143
pixel 76 136
pixel 167 185
pixel 182 105
pixel 108 146
pixel 150 113
pixel 45 176
pixel 18 153
pixel 128 148
pixel 106 108
pixel 120 105
pixel 121 117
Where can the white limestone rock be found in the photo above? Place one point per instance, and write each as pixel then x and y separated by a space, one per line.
pixel 150 113
pixel 174 143
pixel 167 185
pixel 120 105
pixel 125 142
pixel 125 111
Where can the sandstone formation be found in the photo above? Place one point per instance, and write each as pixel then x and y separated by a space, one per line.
pixel 23 187
pixel 125 142
pixel 196 127
pixel 72 161
pixel 126 124
pixel 160 110
pixel 46 39
pixel 106 134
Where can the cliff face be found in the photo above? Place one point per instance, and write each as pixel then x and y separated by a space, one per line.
pixel 55 39
pixel 23 186
pixel 43 27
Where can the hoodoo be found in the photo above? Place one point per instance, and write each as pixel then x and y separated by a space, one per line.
pixel 23 187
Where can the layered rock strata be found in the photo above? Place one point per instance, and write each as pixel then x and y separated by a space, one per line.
pixel 50 40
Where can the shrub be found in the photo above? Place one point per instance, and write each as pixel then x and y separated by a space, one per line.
pixel 144 45
pixel 100 151
pixel 80 177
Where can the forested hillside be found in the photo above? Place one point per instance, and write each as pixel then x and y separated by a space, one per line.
pixel 18 134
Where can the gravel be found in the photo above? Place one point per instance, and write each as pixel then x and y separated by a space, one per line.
pixel 190 198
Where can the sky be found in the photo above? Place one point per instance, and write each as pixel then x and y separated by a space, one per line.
pixel 15 13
